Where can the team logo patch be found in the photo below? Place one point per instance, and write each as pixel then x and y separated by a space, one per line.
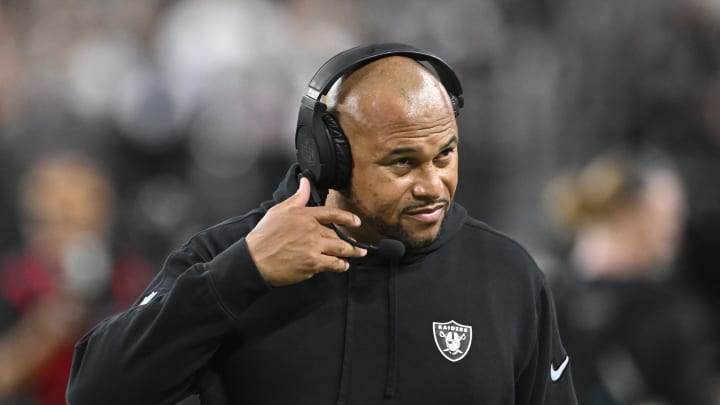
pixel 452 339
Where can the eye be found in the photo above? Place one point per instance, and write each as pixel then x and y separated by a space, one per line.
pixel 445 153
pixel 401 162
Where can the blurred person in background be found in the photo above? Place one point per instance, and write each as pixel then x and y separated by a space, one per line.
pixel 64 277
pixel 636 336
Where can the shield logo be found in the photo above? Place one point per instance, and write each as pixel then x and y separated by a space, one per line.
pixel 452 339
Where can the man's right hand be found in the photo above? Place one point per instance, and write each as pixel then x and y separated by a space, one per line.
pixel 291 244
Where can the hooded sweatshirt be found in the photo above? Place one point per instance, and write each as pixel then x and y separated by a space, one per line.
pixel 468 319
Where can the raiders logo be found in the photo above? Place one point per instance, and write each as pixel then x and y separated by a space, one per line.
pixel 452 339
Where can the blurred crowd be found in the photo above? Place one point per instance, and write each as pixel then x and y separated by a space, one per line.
pixel 127 126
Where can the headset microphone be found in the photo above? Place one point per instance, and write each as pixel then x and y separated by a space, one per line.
pixel 387 248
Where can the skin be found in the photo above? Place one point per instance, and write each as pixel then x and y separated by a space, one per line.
pixel 56 214
pixel 403 137
pixel 640 237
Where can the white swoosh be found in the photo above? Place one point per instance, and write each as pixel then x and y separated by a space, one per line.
pixel 555 374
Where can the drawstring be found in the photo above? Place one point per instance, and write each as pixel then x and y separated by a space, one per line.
pixel 391 376
pixel 392 356
pixel 347 347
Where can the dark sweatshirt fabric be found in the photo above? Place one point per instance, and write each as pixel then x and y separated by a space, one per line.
pixel 466 320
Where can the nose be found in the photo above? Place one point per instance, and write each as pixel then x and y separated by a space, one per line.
pixel 428 184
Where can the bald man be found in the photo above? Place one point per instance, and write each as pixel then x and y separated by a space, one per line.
pixel 275 307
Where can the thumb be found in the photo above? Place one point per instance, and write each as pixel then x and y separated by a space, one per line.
pixel 301 196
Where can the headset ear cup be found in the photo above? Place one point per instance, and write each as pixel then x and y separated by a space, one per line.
pixel 455 104
pixel 307 153
pixel 341 149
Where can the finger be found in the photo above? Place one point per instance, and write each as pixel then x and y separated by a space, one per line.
pixel 327 233
pixel 332 263
pixel 301 196
pixel 340 248
pixel 330 215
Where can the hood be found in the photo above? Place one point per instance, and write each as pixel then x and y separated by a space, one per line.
pixel 454 219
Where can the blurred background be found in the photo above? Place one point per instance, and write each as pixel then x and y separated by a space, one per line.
pixel 125 127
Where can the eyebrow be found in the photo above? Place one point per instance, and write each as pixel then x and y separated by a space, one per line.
pixel 403 151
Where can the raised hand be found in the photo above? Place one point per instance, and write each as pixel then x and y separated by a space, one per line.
pixel 291 244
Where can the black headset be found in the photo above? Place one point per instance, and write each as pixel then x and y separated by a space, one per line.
pixel 323 151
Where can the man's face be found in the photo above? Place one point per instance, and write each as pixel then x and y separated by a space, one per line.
pixel 404 174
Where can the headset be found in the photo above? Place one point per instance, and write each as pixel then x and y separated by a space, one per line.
pixel 322 149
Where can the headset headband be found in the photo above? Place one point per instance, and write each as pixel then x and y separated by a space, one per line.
pixel 354 58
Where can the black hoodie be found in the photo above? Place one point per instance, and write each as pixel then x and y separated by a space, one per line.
pixel 466 320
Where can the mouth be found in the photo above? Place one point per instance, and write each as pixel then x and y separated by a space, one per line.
pixel 427 214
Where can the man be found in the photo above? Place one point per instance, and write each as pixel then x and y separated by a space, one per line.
pixel 64 277
pixel 276 307
pixel 639 335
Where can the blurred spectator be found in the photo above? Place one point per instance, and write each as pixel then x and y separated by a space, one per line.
pixel 635 335
pixel 64 278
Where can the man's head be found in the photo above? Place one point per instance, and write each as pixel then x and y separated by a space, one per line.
pixel 403 137
pixel 626 212
pixel 62 197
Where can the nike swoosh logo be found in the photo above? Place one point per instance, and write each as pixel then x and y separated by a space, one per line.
pixel 556 373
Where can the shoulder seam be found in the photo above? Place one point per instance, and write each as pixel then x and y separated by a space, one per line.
pixel 471 222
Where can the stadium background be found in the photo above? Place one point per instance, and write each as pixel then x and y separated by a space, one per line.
pixel 190 106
